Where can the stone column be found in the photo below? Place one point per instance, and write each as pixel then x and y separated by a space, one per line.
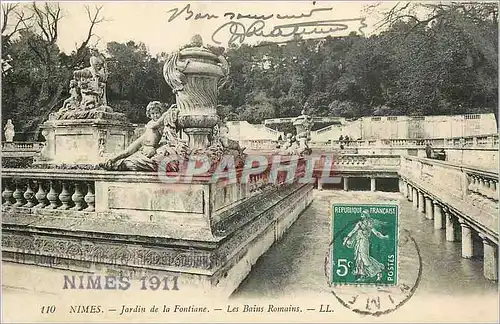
pixel 373 184
pixel 415 198
pixel 490 262
pixel 421 202
pixel 410 192
pixel 405 188
pixel 320 184
pixel 467 244
pixel 429 210
pixel 346 184
pixel 450 228
pixel 438 216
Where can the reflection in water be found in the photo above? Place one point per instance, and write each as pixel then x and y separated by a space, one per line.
pixel 296 262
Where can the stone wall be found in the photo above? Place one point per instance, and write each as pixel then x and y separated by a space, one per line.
pixel 243 130
pixel 410 127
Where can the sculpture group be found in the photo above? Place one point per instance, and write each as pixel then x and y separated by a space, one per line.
pixel 298 144
pixel 87 90
pixel 189 127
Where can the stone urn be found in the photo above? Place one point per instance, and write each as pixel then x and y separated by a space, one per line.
pixel 195 75
pixel 303 125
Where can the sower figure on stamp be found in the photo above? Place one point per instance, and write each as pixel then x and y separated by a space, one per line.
pixel 359 237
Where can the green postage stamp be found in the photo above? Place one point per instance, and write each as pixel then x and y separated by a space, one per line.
pixel 364 244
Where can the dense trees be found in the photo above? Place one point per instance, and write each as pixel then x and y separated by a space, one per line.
pixel 442 61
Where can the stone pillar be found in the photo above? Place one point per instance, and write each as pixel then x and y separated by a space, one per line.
pixel 405 188
pixel 450 228
pixel 346 184
pixel 415 198
pixel 490 262
pixel 373 184
pixel 467 244
pixel 410 192
pixel 429 210
pixel 320 184
pixel 421 202
pixel 438 216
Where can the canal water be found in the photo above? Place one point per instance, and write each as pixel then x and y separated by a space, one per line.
pixel 295 264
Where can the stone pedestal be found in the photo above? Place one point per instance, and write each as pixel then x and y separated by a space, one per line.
pixel 438 216
pixel 467 243
pixel 429 210
pixel 84 141
pixel 490 262
pixel 421 202
pixel 373 184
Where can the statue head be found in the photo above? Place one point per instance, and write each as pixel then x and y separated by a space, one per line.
pixel 154 110
pixel 9 122
pixel 94 51
pixel 365 214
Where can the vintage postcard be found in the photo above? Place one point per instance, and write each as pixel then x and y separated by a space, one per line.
pixel 245 161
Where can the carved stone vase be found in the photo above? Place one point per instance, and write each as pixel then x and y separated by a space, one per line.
pixel 195 75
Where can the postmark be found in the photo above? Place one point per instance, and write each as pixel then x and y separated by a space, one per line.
pixel 372 266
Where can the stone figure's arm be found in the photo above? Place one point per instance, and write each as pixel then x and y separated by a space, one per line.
pixel 379 235
pixel 158 123
pixel 131 149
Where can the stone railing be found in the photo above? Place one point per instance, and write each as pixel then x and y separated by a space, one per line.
pixel 111 194
pixel 358 165
pixel 478 141
pixel 22 146
pixel 471 191
pixel 21 149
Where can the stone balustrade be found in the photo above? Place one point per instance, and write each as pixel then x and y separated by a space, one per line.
pixel 48 194
pixel 464 200
pixel 21 149
pixel 22 146
pixel 469 193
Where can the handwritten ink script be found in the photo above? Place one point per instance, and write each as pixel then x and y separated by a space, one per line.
pixel 239 27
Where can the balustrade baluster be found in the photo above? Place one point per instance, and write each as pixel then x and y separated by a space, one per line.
pixel 7 193
pixel 78 197
pixel 496 191
pixel 41 195
pixel 18 195
pixel 52 196
pixel 489 192
pixel 65 196
pixel 472 186
pixel 29 195
pixel 90 197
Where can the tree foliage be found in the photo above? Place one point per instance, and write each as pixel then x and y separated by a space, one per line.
pixel 442 60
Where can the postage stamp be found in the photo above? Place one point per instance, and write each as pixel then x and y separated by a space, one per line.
pixel 364 244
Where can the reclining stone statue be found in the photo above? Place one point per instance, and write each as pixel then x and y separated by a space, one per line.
pixel 146 152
